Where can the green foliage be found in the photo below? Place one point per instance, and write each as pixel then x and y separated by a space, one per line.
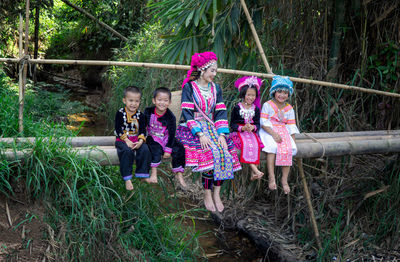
pixel 44 112
pixel 144 46
pixel 387 63
pixel 86 202
pixel 90 206
pixel 218 25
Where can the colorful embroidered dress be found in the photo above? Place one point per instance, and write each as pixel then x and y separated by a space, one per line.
pixel 212 123
pixel 284 123
pixel 161 130
pixel 250 153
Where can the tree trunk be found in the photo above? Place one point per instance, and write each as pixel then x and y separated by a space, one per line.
pixel 340 9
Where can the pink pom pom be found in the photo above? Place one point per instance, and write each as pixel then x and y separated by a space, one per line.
pixel 200 61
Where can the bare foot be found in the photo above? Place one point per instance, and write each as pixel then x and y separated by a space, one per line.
pixel 208 201
pixel 151 180
pixel 256 173
pixel 253 176
pixel 128 185
pixel 179 176
pixel 153 177
pixel 259 174
pixel 271 183
pixel 286 187
pixel 218 202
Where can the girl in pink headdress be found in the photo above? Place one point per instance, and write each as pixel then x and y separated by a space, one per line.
pixel 245 123
pixel 204 128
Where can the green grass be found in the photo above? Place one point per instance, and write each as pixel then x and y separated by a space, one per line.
pixel 87 204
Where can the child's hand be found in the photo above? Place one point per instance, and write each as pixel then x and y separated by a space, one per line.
pixel 137 144
pixel 166 155
pixel 277 138
pixel 130 144
pixel 222 142
pixel 251 127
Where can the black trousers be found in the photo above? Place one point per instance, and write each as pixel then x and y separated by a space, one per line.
pixel 207 179
pixel 127 156
pixel 177 154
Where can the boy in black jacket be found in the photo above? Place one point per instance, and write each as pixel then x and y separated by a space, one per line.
pixel 130 132
pixel 161 128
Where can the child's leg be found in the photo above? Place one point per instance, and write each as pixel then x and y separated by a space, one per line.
pixel 178 162
pixel 216 195
pixel 271 174
pixel 143 158
pixel 284 180
pixel 256 173
pixel 156 152
pixel 126 157
pixel 207 181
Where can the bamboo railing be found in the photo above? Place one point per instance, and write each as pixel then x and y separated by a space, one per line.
pixel 185 67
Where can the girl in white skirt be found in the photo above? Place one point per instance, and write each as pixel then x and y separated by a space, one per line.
pixel 278 126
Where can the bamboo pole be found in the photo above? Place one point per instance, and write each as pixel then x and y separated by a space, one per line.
pixel 109 28
pixel 309 204
pixel 304 150
pixel 25 70
pixel 331 141
pixel 20 81
pixel 185 67
pixel 255 35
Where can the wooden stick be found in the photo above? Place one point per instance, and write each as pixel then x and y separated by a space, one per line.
pixel 8 214
pixel 255 35
pixel 184 67
pixel 109 28
pixel 20 82
pixel 309 204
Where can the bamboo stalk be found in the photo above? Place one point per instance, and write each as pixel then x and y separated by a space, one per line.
pixel 323 138
pixel 255 35
pixel 184 67
pixel 309 204
pixel 20 82
pixel 107 155
pixel 349 134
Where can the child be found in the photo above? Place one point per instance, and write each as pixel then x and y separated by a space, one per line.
pixel 278 126
pixel 245 123
pixel 130 131
pixel 161 127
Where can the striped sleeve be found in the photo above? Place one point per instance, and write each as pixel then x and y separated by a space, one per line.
pixel 188 109
pixel 221 116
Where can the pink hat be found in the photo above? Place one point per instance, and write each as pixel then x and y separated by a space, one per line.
pixel 200 62
pixel 250 81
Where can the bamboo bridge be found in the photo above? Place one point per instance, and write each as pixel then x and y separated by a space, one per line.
pixel 310 145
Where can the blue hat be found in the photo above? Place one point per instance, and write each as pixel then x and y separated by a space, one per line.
pixel 281 83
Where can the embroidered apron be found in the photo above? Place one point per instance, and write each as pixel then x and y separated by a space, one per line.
pixel 284 148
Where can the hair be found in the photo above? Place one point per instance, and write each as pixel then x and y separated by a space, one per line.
pixel 132 89
pixel 195 74
pixel 243 91
pixel 162 89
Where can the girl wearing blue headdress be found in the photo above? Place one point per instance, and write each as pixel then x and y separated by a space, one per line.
pixel 278 126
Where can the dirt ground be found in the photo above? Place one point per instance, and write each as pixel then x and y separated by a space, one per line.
pixel 22 231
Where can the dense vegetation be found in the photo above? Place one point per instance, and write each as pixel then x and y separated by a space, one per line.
pixel 87 204
pixel 351 42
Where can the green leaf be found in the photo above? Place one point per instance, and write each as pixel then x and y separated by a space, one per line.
pixel 189 18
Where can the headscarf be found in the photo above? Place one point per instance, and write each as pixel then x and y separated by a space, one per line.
pixel 281 83
pixel 200 62
pixel 250 81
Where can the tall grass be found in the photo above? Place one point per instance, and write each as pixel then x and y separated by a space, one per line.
pixel 92 215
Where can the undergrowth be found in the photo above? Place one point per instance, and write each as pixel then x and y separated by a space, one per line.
pixel 92 215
